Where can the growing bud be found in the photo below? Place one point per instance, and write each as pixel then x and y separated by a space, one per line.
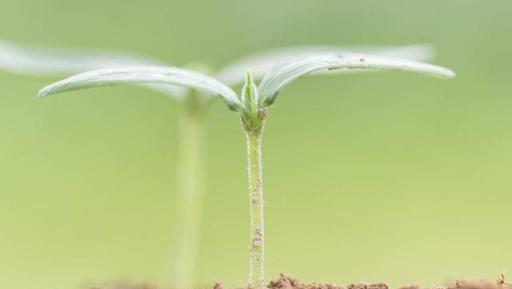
pixel 250 93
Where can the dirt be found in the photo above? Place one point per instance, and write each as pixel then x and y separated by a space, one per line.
pixel 287 282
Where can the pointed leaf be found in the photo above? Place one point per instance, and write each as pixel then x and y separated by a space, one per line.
pixel 345 62
pixel 261 63
pixel 144 75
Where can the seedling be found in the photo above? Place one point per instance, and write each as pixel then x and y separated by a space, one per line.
pixel 252 106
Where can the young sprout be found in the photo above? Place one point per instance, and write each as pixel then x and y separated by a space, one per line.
pixel 252 106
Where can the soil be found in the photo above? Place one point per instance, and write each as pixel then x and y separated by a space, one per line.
pixel 287 282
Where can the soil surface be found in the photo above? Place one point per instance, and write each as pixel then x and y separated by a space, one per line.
pixel 287 282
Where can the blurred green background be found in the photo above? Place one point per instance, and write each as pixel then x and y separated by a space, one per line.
pixel 380 177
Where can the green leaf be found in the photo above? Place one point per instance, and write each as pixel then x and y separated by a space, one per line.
pixel 145 75
pixel 343 62
pixel 260 63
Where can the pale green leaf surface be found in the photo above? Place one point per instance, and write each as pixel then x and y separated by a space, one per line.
pixel 144 75
pixel 345 62
pixel 261 63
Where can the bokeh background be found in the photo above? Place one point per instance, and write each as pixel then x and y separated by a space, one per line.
pixel 381 177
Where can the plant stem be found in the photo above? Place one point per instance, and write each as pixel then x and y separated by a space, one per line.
pixel 190 189
pixel 256 246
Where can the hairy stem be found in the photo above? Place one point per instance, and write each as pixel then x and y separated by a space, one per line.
pixel 257 242
pixel 190 189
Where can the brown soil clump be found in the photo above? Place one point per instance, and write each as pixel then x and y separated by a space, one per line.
pixel 471 284
pixel 287 282
pixel 481 284
pixel 367 286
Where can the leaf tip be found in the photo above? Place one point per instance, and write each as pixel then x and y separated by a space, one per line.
pixel 248 77
pixel 250 92
pixel 445 73
pixel 43 92
pixel 450 73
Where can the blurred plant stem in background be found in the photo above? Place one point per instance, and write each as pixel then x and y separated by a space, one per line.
pixel 192 155
pixel 48 61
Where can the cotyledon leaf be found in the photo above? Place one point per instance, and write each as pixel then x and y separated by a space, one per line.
pixel 261 63
pixel 345 62
pixel 51 62
pixel 145 75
